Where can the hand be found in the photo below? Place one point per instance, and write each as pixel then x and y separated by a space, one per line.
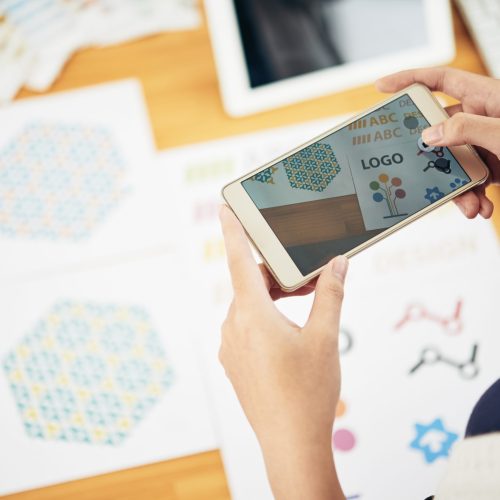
pixel 287 378
pixel 475 120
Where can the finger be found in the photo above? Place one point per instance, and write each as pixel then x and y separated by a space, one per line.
pixel 468 203
pixel 486 206
pixel 454 109
pixel 451 81
pixel 277 293
pixel 465 128
pixel 245 274
pixel 268 278
pixel 325 312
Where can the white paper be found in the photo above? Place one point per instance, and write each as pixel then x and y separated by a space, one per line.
pixel 77 182
pixel 109 300
pixel 433 265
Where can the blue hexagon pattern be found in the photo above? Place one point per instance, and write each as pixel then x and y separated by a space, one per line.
pixel 313 168
pixel 87 372
pixel 58 181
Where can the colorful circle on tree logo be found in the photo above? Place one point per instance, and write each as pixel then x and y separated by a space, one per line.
pixel 383 178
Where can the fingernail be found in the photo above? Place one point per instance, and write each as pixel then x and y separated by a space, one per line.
pixel 462 207
pixel 432 135
pixel 339 267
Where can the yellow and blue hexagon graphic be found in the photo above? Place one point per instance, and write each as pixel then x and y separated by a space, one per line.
pixel 313 168
pixel 59 181
pixel 88 373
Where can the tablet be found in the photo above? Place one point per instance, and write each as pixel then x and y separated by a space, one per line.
pixel 270 53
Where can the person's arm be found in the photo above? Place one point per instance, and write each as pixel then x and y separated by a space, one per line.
pixel 475 120
pixel 287 378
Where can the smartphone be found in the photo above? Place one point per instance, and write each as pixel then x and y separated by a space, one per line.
pixel 350 187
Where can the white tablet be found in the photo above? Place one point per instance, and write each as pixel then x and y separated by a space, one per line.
pixel 271 53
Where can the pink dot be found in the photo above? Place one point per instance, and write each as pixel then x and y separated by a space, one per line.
pixel 343 440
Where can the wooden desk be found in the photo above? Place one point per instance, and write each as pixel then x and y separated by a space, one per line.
pixel 180 85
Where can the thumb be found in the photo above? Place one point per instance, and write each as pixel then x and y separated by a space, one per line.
pixel 325 312
pixel 465 128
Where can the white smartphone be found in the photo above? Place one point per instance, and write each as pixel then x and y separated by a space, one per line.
pixel 350 187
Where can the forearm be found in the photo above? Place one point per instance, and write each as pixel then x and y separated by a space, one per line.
pixel 298 468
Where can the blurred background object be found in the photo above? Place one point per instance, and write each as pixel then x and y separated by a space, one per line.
pixel 37 38
pixel 274 52
pixel 483 20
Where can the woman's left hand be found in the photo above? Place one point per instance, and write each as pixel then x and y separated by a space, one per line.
pixel 287 378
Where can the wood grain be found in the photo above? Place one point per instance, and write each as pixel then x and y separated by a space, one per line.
pixel 180 85
pixel 316 221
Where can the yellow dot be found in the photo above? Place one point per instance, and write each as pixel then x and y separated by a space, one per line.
pixel 52 429
pixel 77 418
pixel 383 177
pixel 99 434
pixel 23 351
pixel 124 423
pixel 31 414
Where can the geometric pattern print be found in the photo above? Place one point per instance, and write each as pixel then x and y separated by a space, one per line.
pixel 266 176
pixel 58 181
pixel 87 373
pixel 313 168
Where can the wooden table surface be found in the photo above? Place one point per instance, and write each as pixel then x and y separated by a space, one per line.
pixel 178 75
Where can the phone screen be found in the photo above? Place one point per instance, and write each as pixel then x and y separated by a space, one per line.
pixel 343 190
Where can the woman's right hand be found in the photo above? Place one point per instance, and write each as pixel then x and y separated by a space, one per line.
pixel 475 120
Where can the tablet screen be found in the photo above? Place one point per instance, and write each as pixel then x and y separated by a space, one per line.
pixel 339 192
pixel 286 38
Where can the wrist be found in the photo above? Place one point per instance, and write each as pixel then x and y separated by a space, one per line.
pixel 301 465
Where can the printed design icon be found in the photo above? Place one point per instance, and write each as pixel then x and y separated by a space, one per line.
pixel 433 440
pixel 58 181
pixel 266 176
pixel 433 194
pixel 384 191
pixel 313 168
pixel 342 439
pixel 457 183
pixel 346 341
pixel 441 165
pixel 467 369
pixel 452 324
pixel 87 373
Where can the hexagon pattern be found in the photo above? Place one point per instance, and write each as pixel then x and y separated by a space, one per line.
pixel 312 168
pixel 266 176
pixel 58 181
pixel 87 372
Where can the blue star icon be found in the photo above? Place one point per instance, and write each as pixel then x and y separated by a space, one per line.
pixel 433 194
pixel 433 440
